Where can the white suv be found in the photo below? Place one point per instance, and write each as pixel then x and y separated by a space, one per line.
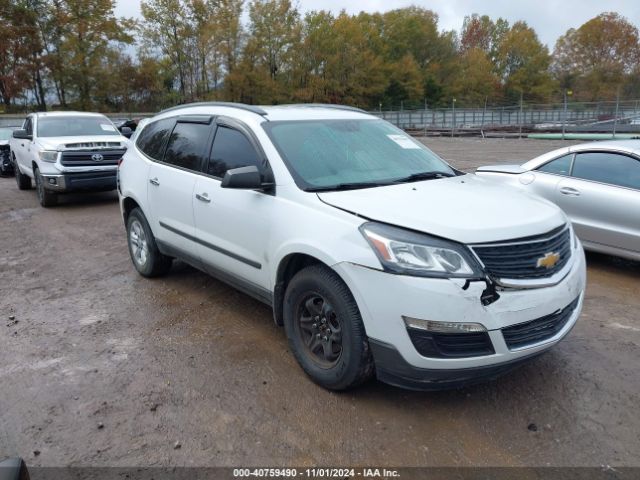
pixel 66 152
pixel 375 254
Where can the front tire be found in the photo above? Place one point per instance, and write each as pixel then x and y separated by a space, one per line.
pixel 146 257
pixel 23 181
pixel 46 197
pixel 325 330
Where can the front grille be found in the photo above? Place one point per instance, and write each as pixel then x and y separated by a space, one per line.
pixel 540 329
pixel 518 259
pixel 85 158
pixel 450 345
pixel 93 145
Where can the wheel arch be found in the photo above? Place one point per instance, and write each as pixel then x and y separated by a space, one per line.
pixel 288 266
pixel 128 204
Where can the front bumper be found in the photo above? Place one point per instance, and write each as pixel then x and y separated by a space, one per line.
pixel 104 180
pixel 384 299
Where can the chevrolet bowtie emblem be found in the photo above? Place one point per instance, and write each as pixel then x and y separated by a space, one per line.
pixel 549 260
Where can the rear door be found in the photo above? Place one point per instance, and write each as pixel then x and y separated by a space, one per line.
pixel 602 198
pixel 171 183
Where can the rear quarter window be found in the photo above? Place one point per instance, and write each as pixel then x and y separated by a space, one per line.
pixel 559 166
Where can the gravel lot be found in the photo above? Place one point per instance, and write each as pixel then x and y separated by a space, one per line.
pixel 105 368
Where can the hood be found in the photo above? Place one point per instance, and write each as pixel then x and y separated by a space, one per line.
pixel 4 142
pixel 73 143
pixel 467 209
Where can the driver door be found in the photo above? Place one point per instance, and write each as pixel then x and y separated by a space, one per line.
pixel 233 225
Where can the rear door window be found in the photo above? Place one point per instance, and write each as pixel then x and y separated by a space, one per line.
pixel 153 138
pixel 188 146
pixel 606 167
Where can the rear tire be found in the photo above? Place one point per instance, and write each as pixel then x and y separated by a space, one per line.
pixel 325 329
pixel 23 181
pixel 146 257
pixel 46 197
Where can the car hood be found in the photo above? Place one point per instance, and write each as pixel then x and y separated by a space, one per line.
pixel 4 142
pixel 467 208
pixel 72 143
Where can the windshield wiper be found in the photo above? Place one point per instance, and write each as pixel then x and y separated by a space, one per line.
pixel 415 177
pixel 346 186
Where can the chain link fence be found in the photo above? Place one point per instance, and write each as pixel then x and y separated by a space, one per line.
pixel 572 116
pixel 606 117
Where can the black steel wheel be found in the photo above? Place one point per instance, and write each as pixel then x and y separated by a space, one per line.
pixel 319 329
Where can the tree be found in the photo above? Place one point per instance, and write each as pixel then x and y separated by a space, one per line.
pixel 483 33
pixel 597 59
pixel 89 31
pixel 20 48
pixel 523 62
pixel 310 62
pixel 165 31
pixel 405 82
pixel 411 30
pixel 267 69
pixel 475 81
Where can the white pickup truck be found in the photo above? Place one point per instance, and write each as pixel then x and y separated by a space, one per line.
pixel 66 152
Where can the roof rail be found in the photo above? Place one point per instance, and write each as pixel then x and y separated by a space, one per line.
pixel 241 106
pixel 325 105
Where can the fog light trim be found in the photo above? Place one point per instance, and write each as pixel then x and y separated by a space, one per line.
pixel 443 327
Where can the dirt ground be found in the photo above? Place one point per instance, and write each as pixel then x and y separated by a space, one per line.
pixel 106 368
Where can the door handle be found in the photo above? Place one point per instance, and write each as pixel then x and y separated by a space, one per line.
pixel 570 191
pixel 154 181
pixel 204 197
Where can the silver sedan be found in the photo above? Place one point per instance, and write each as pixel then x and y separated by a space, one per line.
pixel 598 186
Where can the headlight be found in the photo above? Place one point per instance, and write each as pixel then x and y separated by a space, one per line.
pixel 48 156
pixel 410 253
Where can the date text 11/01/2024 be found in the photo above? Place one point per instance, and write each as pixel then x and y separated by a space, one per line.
pixel 317 472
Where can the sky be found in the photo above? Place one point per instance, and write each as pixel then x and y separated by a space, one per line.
pixel 550 18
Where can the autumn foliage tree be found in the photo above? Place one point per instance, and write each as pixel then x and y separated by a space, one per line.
pixel 599 58
pixel 79 54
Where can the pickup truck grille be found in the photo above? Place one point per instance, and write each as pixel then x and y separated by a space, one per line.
pixel 540 329
pixel 534 257
pixel 91 158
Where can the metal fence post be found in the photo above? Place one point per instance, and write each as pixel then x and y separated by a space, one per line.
pixel 615 118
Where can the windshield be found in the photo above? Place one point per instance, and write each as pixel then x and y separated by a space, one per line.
pixel 75 126
pixel 340 154
pixel 5 134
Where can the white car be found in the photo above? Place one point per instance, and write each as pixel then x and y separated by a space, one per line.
pixel 597 184
pixel 66 152
pixel 375 254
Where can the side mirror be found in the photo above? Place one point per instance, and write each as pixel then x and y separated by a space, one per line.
pixel 248 178
pixel 126 132
pixel 22 134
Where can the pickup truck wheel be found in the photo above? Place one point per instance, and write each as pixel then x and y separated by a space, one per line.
pixel 325 330
pixel 23 181
pixel 146 257
pixel 46 197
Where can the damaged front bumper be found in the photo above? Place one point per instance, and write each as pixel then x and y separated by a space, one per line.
pixel 386 300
